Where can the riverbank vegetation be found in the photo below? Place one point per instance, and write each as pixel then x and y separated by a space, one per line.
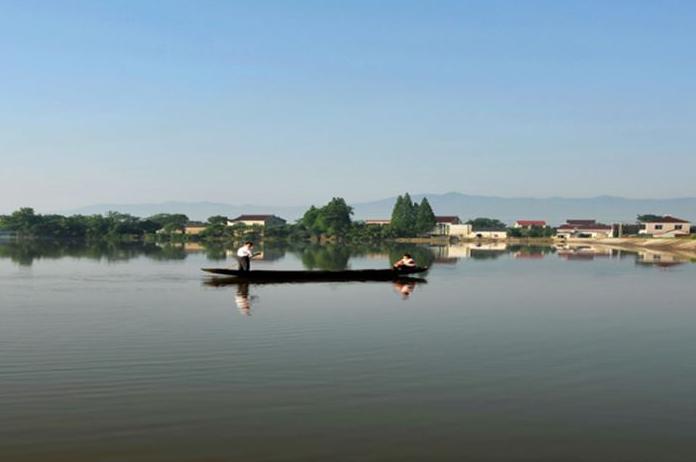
pixel 331 222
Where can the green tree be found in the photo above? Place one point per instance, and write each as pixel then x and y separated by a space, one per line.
pixel 217 220
pixel 334 217
pixel 649 217
pixel 150 227
pixel 425 217
pixel 22 221
pixel 403 220
pixel 310 219
pixel 217 227
pixel 398 217
pixel 487 223
pixel 123 224
pixel 170 222
pixel 97 226
pixel 411 210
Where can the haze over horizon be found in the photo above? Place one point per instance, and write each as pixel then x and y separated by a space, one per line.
pixel 291 104
pixel 555 210
pixel 195 208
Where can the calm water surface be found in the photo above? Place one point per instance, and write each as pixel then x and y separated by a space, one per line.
pixel 504 355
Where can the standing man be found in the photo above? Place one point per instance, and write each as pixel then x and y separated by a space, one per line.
pixel 244 255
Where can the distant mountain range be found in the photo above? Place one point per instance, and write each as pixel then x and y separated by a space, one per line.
pixel 554 210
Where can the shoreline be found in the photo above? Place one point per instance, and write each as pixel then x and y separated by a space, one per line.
pixel 674 244
pixel 683 248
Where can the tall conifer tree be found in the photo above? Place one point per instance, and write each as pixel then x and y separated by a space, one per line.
pixel 425 218
pixel 398 218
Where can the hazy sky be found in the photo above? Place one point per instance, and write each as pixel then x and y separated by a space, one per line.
pixel 293 102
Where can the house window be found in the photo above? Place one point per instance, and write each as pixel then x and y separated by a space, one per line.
pixel 678 226
pixel 658 226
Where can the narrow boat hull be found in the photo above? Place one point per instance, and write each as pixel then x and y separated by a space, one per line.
pixel 316 276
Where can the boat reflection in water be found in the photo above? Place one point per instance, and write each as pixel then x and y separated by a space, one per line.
pixel 243 299
pixel 404 286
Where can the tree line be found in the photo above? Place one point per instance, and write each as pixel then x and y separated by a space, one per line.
pixel 25 222
pixel 332 221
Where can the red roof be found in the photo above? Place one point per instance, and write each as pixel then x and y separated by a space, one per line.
pixel 581 222
pixel 586 227
pixel 666 219
pixel 448 219
pixel 531 222
pixel 253 217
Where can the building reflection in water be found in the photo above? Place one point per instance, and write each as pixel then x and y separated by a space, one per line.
pixel 582 252
pixel 586 251
pixel 658 258
pixel 476 250
pixel 654 257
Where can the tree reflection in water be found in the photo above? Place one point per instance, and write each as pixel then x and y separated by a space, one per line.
pixel 24 252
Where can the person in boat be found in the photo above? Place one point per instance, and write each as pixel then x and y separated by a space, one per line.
pixel 244 254
pixel 406 261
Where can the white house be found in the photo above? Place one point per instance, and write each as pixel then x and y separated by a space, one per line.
pixel 461 231
pixel 583 229
pixel 494 234
pixel 443 225
pixel 256 220
pixel 529 224
pixel 666 226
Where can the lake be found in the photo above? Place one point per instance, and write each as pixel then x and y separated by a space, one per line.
pixel 113 353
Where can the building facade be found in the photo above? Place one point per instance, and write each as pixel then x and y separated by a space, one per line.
pixel 194 227
pixel 529 224
pixel 584 229
pixel 443 225
pixel 265 221
pixel 666 226
pixel 494 234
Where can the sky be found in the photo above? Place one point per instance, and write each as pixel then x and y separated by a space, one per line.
pixel 294 102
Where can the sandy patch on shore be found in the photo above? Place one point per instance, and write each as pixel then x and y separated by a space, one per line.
pixel 683 248
pixel 658 244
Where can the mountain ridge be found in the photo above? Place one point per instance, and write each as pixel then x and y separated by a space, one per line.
pixel 554 210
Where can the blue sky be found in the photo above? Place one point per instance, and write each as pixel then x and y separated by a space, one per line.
pixel 293 102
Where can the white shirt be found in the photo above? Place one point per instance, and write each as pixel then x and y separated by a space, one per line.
pixel 245 251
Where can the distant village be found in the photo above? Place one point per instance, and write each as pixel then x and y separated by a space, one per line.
pixel 409 222
pixel 453 227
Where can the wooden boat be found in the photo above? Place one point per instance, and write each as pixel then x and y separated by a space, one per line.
pixel 317 276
